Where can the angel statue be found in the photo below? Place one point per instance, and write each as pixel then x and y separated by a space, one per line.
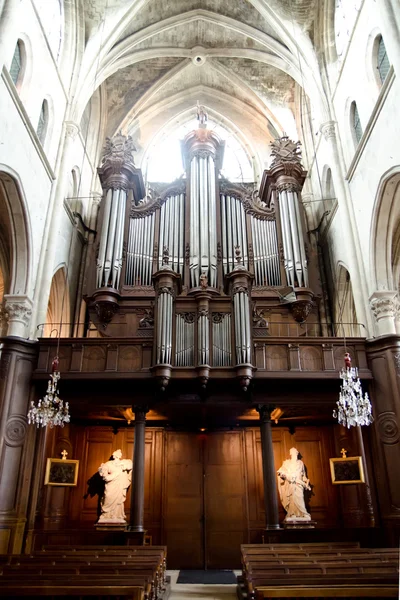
pixel 292 483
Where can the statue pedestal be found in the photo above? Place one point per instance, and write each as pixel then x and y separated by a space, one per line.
pixel 110 526
pixel 299 524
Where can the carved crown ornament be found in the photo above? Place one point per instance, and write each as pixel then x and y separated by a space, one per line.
pixel 285 150
pixel 118 151
pixel 155 198
pixel 250 199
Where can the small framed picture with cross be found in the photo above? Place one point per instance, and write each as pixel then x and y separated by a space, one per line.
pixel 346 470
pixel 61 471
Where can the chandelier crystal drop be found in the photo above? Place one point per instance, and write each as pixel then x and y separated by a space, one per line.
pixel 51 410
pixel 353 407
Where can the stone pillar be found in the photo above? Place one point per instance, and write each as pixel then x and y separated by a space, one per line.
pixel 384 359
pixel 384 306
pixel 17 440
pixel 9 30
pixel 137 495
pixel 349 225
pixel 268 467
pixel 51 234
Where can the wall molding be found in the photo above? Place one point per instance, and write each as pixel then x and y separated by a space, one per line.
pixel 385 89
pixel 27 122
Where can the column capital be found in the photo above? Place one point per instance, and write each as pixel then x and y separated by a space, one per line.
pixel 265 411
pixel 19 311
pixel 71 130
pixel 385 307
pixel 328 130
pixel 140 413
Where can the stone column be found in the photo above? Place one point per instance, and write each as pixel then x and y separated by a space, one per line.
pixel 137 495
pixel 268 467
pixel 9 29
pixel 349 224
pixel 51 234
pixel 17 440
pixel 384 359
pixel 384 305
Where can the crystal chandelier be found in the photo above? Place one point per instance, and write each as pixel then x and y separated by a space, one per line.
pixel 51 411
pixel 353 408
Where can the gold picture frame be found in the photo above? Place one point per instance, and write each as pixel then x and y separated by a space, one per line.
pixel 61 472
pixel 347 470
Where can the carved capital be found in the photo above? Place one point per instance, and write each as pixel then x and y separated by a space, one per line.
pixel 19 311
pixel 328 130
pixel 71 130
pixel 384 304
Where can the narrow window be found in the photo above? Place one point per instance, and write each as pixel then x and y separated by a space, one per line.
pixel 383 64
pixel 43 121
pixel 16 64
pixel 356 123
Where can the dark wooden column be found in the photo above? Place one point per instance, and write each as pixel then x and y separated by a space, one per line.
pixel 17 440
pixel 137 494
pixel 268 467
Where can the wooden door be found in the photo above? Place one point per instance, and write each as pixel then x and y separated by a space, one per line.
pixel 183 501
pixel 225 503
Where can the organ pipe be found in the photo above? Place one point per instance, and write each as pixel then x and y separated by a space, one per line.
pixel 234 233
pixel 266 252
pixel 139 256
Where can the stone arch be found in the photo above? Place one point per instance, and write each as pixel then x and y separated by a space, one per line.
pixel 385 232
pixel 58 317
pixel 344 310
pixel 15 234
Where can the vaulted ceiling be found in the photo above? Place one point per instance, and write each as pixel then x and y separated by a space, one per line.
pixel 243 59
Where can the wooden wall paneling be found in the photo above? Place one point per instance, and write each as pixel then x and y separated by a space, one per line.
pixel 183 500
pixel 225 502
pixel 98 445
pixel 255 488
pixel 316 446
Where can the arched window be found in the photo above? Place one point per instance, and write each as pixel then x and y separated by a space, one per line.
pixel 355 123
pixel 43 122
pixel 382 60
pixel 17 62
pixel 165 157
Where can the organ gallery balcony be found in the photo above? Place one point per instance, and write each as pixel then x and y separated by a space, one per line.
pixel 274 357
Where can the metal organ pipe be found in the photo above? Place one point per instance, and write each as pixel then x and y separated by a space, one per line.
pixel 109 262
pixel 293 238
pixel 234 233
pixel 139 257
pixel 266 252
pixel 103 239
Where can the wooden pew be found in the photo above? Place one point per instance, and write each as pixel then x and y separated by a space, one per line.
pixel 297 570
pixel 128 572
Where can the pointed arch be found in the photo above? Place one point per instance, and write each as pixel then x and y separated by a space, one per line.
pixel 58 317
pixel 15 234
pixel 384 233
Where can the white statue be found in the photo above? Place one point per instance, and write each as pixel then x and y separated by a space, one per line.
pixel 292 484
pixel 117 476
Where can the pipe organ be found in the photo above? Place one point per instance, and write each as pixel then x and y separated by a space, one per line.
pixel 199 247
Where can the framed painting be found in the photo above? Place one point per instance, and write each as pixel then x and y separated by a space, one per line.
pixel 61 471
pixel 347 470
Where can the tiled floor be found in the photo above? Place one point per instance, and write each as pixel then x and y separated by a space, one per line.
pixel 200 592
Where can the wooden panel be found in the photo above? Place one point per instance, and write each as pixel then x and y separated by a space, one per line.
pixel 225 499
pixel 183 501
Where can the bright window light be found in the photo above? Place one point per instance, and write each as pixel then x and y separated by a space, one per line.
pixel 164 161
